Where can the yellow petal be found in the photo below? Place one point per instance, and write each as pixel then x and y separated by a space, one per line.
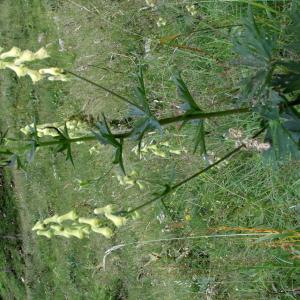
pixel 51 71
pixel 39 225
pixel 13 52
pixel 3 64
pixel 75 232
pixel 72 216
pixel 41 54
pixel 48 234
pixel 19 70
pixel 52 219
pixel 117 220
pixel 59 78
pixel 34 75
pixel 62 233
pixel 106 231
pixel 57 228
pixel 26 56
pixel 90 221
pixel 102 210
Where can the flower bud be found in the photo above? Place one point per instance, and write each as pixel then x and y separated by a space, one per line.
pixel 72 216
pixel 47 233
pixel 106 231
pixel 39 225
pixel 19 70
pixel 41 54
pixel 34 75
pixel 62 233
pixel 84 228
pixel 75 232
pixel 60 77
pixel 117 220
pixel 25 56
pixel 13 52
pixel 52 219
pixel 93 222
pixel 51 71
pixel 108 209
pixel 57 228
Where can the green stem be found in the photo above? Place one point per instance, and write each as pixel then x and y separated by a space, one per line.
pixel 104 88
pixel 75 140
pixel 163 122
pixel 179 184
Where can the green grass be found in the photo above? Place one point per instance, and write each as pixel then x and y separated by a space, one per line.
pixel 105 41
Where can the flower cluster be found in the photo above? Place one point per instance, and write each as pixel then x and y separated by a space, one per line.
pixel 158 149
pixel 76 128
pixel 15 59
pixel 72 225
pixel 191 9
pixel 211 158
pixel 131 180
pixel 161 22
pixel 251 144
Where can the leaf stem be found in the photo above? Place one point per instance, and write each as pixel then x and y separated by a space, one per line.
pixel 104 88
pixel 176 186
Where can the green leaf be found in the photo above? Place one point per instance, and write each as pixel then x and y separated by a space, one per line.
pixel 284 137
pixel 288 83
pixel 255 45
pixel 200 138
pixel 140 93
pixel 105 136
pixel 184 92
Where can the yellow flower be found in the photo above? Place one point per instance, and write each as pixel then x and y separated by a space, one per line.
pixel 84 228
pixel 135 215
pixel 62 233
pixel 106 231
pixel 93 222
pixel 13 52
pixel 25 56
pixel 188 217
pixel 117 220
pixel 3 64
pixel 57 228
pixel 108 209
pixel 60 77
pixel 35 75
pixel 72 216
pixel 52 219
pixel 75 232
pixel 19 70
pixel 47 233
pixel 51 71
pixel 39 225
pixel 191 9
pixel 161 22
pixel 41 54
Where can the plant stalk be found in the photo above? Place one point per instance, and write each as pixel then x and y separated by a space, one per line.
pixel 176 186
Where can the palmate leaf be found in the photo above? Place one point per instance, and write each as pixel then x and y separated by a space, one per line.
pixel 290 81
pixel 105 136
pixel 190 106
pixel 146 120
pixel 255 46
pixel 65 143
pixel 184 93
pixel 293 30
pixel 284 136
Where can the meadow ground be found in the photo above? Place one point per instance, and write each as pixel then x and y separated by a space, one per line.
pixel 105 40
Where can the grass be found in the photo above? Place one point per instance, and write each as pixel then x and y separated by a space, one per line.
pixel 105 41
